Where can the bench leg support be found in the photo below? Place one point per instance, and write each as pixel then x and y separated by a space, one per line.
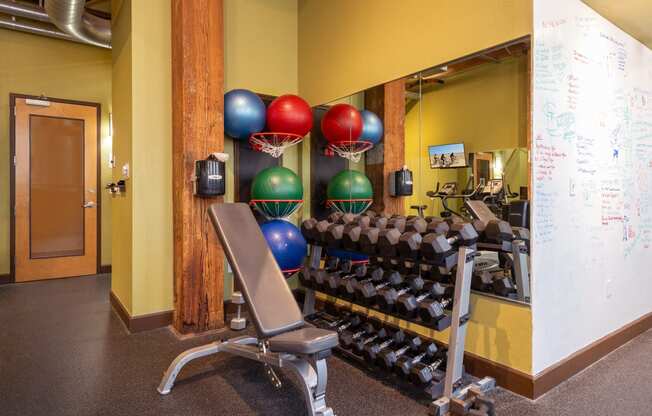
pixel 185 357
pixel 314 375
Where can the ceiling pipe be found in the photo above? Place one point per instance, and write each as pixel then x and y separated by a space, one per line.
pixel 23 10
pixel 98 28
pixel 35 28
pixel 71 17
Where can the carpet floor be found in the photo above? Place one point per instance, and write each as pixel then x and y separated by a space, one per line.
pixel 63 351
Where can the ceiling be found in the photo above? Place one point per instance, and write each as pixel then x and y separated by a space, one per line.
pixel 632 16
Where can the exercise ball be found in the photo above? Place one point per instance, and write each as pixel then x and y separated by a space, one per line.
pixel 347 255
pixel 286 242
pixel 276 192
pixel 342 122
pixel 349 191
pixel 372 127
pixel 244 114
pixel 289 114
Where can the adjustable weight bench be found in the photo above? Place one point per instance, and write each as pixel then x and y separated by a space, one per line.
pixel 284 339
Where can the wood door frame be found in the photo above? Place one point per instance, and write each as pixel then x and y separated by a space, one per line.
pixel 12 176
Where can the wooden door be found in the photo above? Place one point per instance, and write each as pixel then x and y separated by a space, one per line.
pixel 483 167
pixel 55 185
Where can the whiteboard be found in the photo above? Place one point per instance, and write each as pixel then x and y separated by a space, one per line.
pixel 591 178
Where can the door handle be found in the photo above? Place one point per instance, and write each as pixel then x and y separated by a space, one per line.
pixel 89 205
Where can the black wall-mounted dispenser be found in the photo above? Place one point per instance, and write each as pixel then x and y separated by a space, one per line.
pixel 210 175
pixel 400 182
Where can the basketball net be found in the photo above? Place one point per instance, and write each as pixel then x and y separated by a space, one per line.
pixel 349 149
pixel 273 143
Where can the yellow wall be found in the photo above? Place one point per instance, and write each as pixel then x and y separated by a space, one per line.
pixel 348 46
pixel 38 65
pixel 142 273
pixel 499 331
pixel 485 108
pixel 152 156
pixel 121 284
pixel 260 54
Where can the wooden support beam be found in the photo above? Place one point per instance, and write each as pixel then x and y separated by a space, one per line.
pixel 198 129
pixel 388 102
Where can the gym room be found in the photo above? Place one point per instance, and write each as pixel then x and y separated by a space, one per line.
pixel 305 207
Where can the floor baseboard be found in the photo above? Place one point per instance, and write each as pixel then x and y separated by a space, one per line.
pixel 140 323
pixel 580 360
pixel 105 268
pixel 5 278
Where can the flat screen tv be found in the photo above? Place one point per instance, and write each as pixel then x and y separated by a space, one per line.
pixel 447 156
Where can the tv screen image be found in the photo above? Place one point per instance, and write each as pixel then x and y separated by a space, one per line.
pixel 447 156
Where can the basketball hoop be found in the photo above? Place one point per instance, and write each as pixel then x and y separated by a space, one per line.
pixel 276 208
pixel 352 206
pixel 289 272
pixel 350 149
pixel 272 143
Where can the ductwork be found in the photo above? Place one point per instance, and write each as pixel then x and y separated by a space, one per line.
pixel 35 28
pixel 75 22
pixel 24 10
pixel 71 17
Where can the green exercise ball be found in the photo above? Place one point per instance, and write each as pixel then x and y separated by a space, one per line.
pixel 350 191
pixel 277 192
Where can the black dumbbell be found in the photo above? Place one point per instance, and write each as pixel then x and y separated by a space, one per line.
pixel 388 357
pixel 319 232
pixel 360 343
pixel 309 231
pixel 335 231
pixel 437 226
pixel 388 242
pixel 398 222
pixel 482 281
pixel 352 231
pixel 417 225
pixel 304 277
pixel 387 296
pixel 423 373
pixel 431 309
pixel 405 363
pixel 438 248
pixel 334 280
pixel 370 351
pixel 503 286
pixel 347 289
pixel 407 304
pixel 347 338
pixel 379 221
pixel 498 231
pixel 365 293
pixel 368 240
pixel 335 216
pixel 409 244
pixel 318 276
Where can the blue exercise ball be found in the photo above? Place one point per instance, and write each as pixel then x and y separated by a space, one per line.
pixel 372 127
pixel 244 114
pixel 287 244
pixel 347 255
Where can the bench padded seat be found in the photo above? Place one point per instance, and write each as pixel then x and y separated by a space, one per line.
pixel 306 340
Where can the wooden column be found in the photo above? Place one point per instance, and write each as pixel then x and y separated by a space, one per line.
pixel 388 101
pixel 198 129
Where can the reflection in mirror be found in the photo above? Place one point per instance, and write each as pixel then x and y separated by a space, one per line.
pixel 466 139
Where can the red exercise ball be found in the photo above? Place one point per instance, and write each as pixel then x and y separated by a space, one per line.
pixel 342 122
pixel 289 114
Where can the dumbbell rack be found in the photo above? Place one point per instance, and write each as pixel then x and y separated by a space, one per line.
pixel 453 386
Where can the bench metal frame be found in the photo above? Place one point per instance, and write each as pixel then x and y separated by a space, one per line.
pixel 311 369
